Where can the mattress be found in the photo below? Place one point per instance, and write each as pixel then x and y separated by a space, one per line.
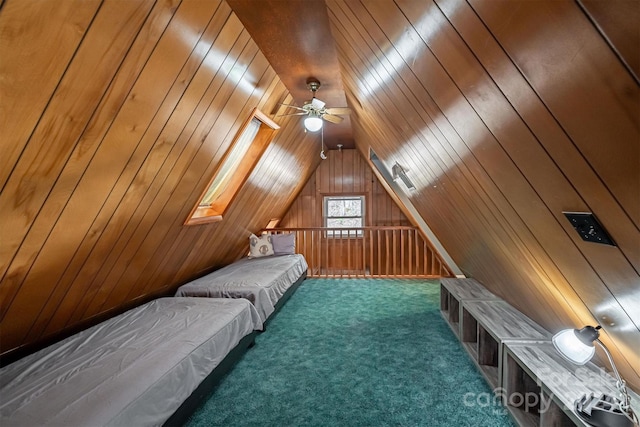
pixel 262 281
pixel 132 370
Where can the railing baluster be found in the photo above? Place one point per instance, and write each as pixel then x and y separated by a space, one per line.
pixel 366 243
pixel 366 252
pixel 309 247
pixel 350 269
pixel 426 258
pixel 386 248
pixel 393 252
pixel 402 252
pixel 434 261
pixel 316 256
pixel 325 262
pixel 340 257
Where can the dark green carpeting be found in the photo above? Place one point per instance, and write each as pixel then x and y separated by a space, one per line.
pixel 355 353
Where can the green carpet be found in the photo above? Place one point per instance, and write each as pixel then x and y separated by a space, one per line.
pixel 355 353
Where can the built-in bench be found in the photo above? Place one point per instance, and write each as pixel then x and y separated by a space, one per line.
pixel 453 291
pixel 516 357
pixel 486 327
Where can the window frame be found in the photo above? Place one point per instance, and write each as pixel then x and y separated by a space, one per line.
pixel 332 233
pixel 215 211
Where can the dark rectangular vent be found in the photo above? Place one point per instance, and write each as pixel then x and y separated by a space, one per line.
pixel 588 227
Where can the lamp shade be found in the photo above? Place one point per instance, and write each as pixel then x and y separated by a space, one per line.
pixel 572 348
pixel 313 123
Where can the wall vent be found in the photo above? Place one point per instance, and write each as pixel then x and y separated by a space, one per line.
pixel 588 227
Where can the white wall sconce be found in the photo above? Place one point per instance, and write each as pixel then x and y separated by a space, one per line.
pixel 398 171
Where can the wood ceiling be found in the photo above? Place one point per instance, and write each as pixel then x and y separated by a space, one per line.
pixel 296 38
pixel 505 112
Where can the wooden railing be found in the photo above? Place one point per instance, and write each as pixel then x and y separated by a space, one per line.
pixel 374 252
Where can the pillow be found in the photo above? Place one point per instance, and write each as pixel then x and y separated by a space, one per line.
pixel 260 246
pixel 284 244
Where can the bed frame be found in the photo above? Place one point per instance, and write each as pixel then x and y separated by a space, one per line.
pixel 210 367
pixel 208 385
pixel 267 282
pixel 285 297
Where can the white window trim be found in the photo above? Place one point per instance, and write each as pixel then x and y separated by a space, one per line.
pixel 325 216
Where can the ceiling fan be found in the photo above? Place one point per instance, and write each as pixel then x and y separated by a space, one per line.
pixel 316 110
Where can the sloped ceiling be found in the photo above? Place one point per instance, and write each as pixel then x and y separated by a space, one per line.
pixel 296 39
pixel 115 116
pixel 507 114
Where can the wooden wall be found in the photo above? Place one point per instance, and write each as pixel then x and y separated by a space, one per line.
pixel 114 116
pixel 344 172
pixel 115 113
pixel 508 113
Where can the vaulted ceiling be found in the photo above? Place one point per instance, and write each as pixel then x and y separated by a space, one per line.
pixel 506 114
pixel 296 38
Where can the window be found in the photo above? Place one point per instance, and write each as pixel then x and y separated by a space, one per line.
pixel 273 223
pixel 238 162
pixel 343 212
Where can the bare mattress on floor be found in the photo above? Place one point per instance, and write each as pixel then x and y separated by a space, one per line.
pixel 263 281
pixel 134 369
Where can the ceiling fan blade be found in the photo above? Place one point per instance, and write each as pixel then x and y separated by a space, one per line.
pixel 291 114
pixel 341 111
pixel 293 106
pixel 331 118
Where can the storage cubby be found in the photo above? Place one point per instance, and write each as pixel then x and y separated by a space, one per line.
pixel 454 314
pixel 540 387
pixel 521 394
pixel 453 292
pixel 516 357
pixel 469 335
pixel 486 325
pixel 444 300
pixel 488 356
pixel 554 415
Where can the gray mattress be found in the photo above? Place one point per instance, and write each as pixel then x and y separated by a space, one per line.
pixel 262 281
pixel 135 369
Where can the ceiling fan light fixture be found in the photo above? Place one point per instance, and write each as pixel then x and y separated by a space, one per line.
pixel 313 123
pixel 316 110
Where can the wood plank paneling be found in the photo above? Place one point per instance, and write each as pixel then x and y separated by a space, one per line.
pixel 56 134
pixel 605 93
pixel 41 38
pixel 125 141
pixel 138 119
pixel 296 39
pixel 344 172
pixel 482 102
pixel 121 195
pixel 139 203
pixel 619 26
pixel 162 119
pixel 505 112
